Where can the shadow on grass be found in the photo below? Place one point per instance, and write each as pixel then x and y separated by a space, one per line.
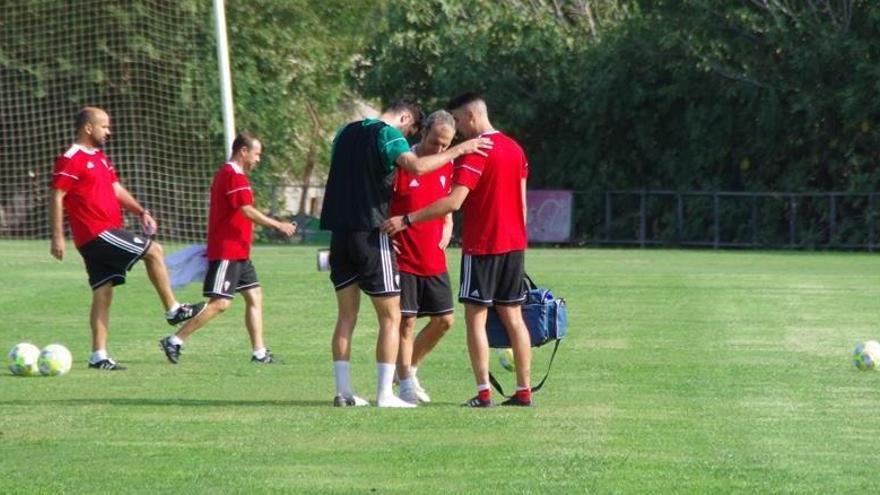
pixel 171 402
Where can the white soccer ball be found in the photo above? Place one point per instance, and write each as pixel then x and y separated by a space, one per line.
pixel 866 355
pixel 23 359
pixel 55 360
pixel 505 358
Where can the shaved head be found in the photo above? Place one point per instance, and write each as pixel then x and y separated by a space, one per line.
pixel 92 127
pixel 87 115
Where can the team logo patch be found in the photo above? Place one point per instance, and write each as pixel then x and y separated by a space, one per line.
pixel 414 183
pixel 90 165
pixel 226 286
pixel 475 293
pixel 138 240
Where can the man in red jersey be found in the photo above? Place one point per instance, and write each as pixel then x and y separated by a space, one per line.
pixel 231 220
pixel 491 191
pixel 424 281
pixel 86 186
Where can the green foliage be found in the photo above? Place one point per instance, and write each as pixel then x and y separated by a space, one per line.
pixel 694 95
pixel 683 95
pixel 290 64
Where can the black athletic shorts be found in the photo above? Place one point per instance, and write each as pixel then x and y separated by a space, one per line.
pixel 226 277
pixel 365 258
pixel 425 296
pixel 493 279
pixel 110 255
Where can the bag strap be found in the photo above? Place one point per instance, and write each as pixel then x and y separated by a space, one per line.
pixel 529 282
pixel 540 384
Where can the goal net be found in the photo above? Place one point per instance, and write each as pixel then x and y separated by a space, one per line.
pixel 150 64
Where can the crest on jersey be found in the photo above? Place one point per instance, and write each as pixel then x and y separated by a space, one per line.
pixel 90 165
pixel 414 183
pixel 442 181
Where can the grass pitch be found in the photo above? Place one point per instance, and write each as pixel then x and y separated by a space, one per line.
pixel 685 371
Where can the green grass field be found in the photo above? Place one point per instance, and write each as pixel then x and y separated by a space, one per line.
pixel 685 371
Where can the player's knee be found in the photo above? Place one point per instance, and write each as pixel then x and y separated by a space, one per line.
pixel 347 320
pixel 220 304
pixel 155 251
pixel 444 323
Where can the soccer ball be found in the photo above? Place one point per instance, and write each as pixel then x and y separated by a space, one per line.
pixel 23 359
pixel 55 360
pixel 505 358
pixel 866 356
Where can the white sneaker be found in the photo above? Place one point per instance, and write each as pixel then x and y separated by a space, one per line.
pixel 420 392
pixel 409 395
pixel 393 401
pixel 349 401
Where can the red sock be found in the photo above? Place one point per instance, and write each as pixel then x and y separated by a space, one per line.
pixel 524 395
pixel 485 395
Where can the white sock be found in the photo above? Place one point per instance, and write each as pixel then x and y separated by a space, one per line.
pixel 260 353
pixel 412 371
pixel 175 340
pixel 97 356
pixel 483 386
pixel 385 379
pixel 342 375
pixel 174 307
pixel 406 385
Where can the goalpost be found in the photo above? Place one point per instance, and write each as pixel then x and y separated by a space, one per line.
pixel 152 65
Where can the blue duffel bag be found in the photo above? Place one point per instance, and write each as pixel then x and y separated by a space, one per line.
pixel 545 317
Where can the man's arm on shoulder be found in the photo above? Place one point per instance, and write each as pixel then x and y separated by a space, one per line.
pixel 421 165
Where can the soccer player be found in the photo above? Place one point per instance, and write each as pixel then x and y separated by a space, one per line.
pixel 490 191
pixel 231 220
pixel 364 157
pixel 85 184
pixel 424 281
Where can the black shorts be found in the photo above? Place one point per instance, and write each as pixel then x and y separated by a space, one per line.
pixel 493 279
pixel 111 254
pixel 365 258
pixel 425 296
pixel 226 277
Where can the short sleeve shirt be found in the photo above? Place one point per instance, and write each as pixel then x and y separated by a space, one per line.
pixel 230 233
pixel 419 244
pixel 87 177
pixel 493 210
pixel 392 144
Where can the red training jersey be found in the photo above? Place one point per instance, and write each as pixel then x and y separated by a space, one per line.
pixel 87 177
pixel 419 244
pixel 493 209
pixel 230 233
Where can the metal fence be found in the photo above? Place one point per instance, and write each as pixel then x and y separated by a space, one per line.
pixel 829 220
